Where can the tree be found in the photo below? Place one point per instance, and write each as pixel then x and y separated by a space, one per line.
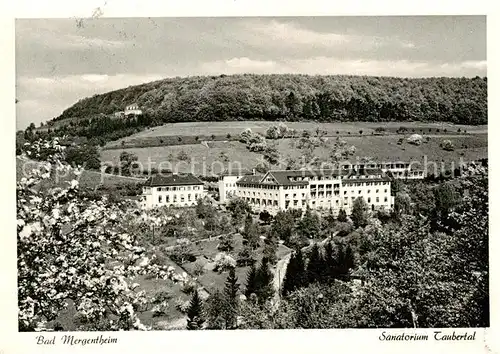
pixel 86 156
pixel 264 281
pixel 446 198
pixel 239 209
pixel 74 240
pixel 295 275
pixel 265 217
pixel 309 226
pixel 182 156
pixel 359 213
pixel 283 225
pixel 231 290
pixel 127 163
pixel 315 265
pixel 447 145
pixel 251 232
pixel 269 252
pixel 342 216
pixel 217 311
pixel 226 243
pixel 246 257
pixel 402 203
pixel 195 317
pixel 251 285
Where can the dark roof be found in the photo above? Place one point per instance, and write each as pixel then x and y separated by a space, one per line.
pixel 173 180
pixel 249 179
pixel 236 171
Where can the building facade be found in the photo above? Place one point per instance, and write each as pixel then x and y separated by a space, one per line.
pixel 318 189
pixel 227 182
pixel 173 190
pixel 133 109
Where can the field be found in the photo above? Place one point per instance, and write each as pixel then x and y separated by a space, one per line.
pixel 206 160
pixel 236 127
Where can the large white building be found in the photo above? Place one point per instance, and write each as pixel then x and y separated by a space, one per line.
pixel 227 182
pixel 177 190
pixel 319 189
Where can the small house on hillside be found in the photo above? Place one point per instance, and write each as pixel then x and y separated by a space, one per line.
pixel 133 109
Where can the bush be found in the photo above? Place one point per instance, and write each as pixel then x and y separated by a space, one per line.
pixel 198 269
pixel 447 145
pixel 223 262
pixel 183 156
pixel 189 286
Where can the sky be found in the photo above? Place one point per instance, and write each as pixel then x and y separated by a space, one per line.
pixel 60 61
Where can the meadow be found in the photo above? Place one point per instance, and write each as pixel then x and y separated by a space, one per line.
pixel 236 127
pixel 206 159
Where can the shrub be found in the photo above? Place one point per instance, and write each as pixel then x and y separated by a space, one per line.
pixel 198 269
pixel 447 145
pixel 223 262
pixel 189 286
pixel 183 156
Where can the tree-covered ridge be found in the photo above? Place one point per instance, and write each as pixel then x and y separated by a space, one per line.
pixel 297 97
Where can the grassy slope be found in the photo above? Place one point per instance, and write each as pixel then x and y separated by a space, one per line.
pixel 382 148
pixel 236 127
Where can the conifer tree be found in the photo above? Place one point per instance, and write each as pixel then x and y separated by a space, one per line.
pixel 309 226
pixel 359 214
pixel 251 232
pixel 231 294
pixel 330 262
pixel 195 318
pixel 315 266
pixel 342 217
pixel 295 276
pixel 264 280
pixel 251 286
pixel 217 311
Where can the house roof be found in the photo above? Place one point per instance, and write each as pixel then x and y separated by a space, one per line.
pixel 236 171
pixel 249 179
pixel 173 180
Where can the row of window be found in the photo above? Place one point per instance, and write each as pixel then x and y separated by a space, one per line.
pixel 368 191
pixel 368 184
pixel 180 188
pixel 175 199
pixel 264 202
pixel 368 200
pixel 328 186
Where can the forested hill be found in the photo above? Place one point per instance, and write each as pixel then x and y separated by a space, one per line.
pixel 297 97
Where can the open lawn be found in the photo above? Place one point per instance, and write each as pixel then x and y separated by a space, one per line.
pixel 236 127
pixel 206 159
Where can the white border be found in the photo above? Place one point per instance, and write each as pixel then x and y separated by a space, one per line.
pixel 300 341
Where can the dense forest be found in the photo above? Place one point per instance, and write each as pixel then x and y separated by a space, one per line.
pixel 297 97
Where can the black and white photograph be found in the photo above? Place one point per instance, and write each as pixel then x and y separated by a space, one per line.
pixel 252 173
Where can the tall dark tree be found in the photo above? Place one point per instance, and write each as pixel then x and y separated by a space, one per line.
pixel 251 232
pixel 309 226
pixel 342 217
pixel 315 265
pixel 264 279
pixel 359 213
pixel 231 290
pixel 283 225
pixel 195 316
pixel 251 286
pixel 295 275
